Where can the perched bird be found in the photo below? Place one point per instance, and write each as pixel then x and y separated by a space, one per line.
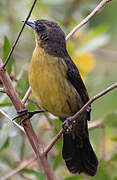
pixel 58 88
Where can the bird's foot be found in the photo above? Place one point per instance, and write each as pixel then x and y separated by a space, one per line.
pixel 28 114
pixel 68 125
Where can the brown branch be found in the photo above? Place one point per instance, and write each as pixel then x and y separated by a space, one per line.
pixel 36 145
pixel 25 98
pixel 25 163
pixel 18 36
pixel 101 4
pixel 6 115
pixel 96 124
pixel 21 167
pixel 53 141
pixel 102 93
pixel 39 150
pixel 2 90
pixel 91 126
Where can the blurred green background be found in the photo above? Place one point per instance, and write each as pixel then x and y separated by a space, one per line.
pixel 94 49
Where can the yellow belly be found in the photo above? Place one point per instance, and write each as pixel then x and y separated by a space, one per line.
pixel 52 90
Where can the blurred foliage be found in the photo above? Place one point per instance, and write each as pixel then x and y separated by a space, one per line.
pixel 81 60
pixel 93 49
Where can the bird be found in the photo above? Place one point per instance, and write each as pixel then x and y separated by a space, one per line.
pixel 58 88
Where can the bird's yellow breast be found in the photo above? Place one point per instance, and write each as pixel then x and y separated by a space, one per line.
pixel 49 84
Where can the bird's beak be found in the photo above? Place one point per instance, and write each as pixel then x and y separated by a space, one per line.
pixel 31 24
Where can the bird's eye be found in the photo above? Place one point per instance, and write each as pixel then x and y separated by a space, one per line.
pixel 41 26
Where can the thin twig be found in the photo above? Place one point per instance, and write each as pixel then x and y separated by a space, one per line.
pixel 101 4
pixel 102 93
pixel 19 105
pixel 98 124
pixel 53 141
pixel 2 90
pixel 36 145
pixel 91 126
pixel 25 98
pixel 95 124
pixel 18 36
pixel 21 167
pixel 6 115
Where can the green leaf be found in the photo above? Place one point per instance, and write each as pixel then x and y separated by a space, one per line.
pixel 22 82
pixel 57 123
pixel 4 134
pixel 38 175
pixel 6 144
pixel 102 174
pixel 114 157
pixel 59 144
pixel 6 104
pixel 114 139
pixel 57 161
pixel 6 50
pixel 111 120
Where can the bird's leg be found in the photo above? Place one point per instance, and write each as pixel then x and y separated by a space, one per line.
pixel 27 113
pixel 68 124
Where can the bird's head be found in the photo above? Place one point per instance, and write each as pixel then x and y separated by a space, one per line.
pixel 49 36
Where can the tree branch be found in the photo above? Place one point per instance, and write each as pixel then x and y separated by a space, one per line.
pixel 25 163
pixel 91 126
pixel 6 115
pixel 36 145
pixel 21 167
pixel 25 98
pixel 102 93
pixel 18 36
pixel 94 125
pixel 101 4
pixel 2 90
pixel 38 148
pixel 53 141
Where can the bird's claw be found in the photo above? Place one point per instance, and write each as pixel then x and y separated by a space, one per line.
pixel 28 114
pixel 68 125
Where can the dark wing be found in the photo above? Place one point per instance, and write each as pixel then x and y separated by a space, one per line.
pixel 75 79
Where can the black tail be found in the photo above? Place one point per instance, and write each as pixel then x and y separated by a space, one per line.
pixel 79 159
